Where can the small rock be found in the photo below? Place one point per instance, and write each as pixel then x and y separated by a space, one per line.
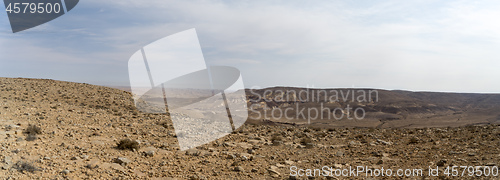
pixel 441 162
pixel 384 142
pixel 353 143
pixel 231 156
pixel 274 172
pixel 251 151
pixel 93 164
pixel 239 169
pixel 75 158
pixel 235 163
pixel 65 172
pixel 7 160
pixel 228 144
pixel 244 158
pixel 244 154
pixel 196 177
pixel 339 154
pixel 122 161
pixel 253 141
pixel 149 153
pixel 377 154
pixel 192 152
pixel 280 165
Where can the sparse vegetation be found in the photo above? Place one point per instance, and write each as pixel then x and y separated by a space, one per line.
pixel 31 137
pixel 24 166
pixel 413 140
pixel 32 131
pixel 75 140
pixel 125 144
pixel 305 141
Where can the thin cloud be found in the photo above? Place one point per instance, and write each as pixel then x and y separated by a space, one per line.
pixel 424 45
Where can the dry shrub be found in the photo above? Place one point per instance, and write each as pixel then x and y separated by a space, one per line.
pixel 413 140
pixel 25 167
pixel 125 144
pixel 305 141
pixel 33 129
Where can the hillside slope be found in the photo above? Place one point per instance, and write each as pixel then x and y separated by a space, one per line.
pixel 81 124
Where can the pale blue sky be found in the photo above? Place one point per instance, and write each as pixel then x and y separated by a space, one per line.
pixel 420 45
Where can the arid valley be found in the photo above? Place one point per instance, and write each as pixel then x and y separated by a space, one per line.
pixel 63 130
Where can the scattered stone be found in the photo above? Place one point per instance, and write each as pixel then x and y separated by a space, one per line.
pixel 196 177
pixel 84 157
pixel 384 142
pixel 7 160
pixel 251 151
pixel 65 172
pixel 253 141
pixel 377 154
pixel 239 169
pixel 339 154
pixel 226 144
pixel 231 156
pixel 93 164
pixel 280 165
pixel 192 152
pixel 149 153
pixel 274 172
pixel 122 161
pixel 441 162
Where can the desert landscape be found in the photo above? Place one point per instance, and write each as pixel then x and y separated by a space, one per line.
pixel 63 130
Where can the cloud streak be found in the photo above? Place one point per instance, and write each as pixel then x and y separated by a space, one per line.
pixel 425 45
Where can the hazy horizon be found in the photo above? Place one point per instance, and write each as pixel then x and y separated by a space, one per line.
pixel 418 46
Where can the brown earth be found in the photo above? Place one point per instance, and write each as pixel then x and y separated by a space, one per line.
pixel 383 109
pixel 81 125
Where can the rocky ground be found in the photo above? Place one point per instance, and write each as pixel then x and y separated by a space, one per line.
pixel 80 126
